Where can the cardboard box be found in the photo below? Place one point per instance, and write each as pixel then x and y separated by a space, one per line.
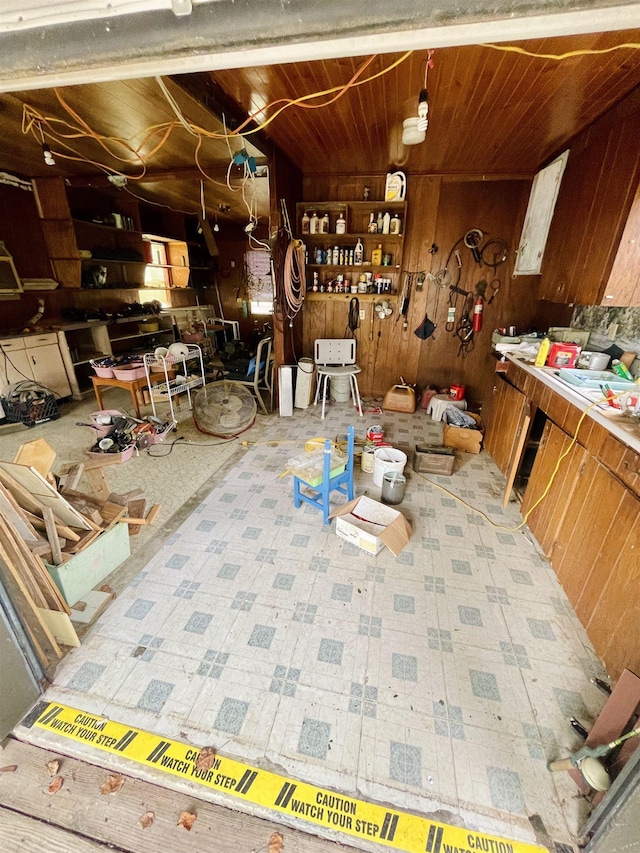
pixel 462 438
pixel 432 459
pixel 371 526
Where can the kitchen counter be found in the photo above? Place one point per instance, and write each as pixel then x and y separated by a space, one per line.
pixel 625 428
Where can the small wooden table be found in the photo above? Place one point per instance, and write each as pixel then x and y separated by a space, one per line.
pixel 133 386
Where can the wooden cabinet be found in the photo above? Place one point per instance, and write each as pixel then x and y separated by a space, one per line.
pixel 330 254
pixel 587 521
pixel 506 428
pixel 545 515
pixel 509 411
pixel 35 357
pixel 586 249
pixel 623 286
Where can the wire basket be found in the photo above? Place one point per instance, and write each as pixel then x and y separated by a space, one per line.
pixel 31 412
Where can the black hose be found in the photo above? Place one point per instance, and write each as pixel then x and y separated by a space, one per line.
pixel 353 321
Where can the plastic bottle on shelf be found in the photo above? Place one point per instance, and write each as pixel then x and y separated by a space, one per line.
pixel 372 227
pixel 313 223
pixel 358 253
pixel 315 282
pixel 376 256
pixel 379 223
pixel 323 224
pixel 394 225
pixel 386 223
pixel 341 224
pixel 335 255
pixel 305 222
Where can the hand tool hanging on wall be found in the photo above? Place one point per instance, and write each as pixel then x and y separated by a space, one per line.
pixel 494 253
pixel 494 286
pixel 464 329
pixel 404 301
pixel 454 292
pixel 472 240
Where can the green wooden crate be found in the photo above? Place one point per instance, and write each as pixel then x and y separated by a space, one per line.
pixel 91 566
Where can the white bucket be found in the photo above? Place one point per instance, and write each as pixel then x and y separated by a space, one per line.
pixel 387 459
pixel 366 459
pixel 339 388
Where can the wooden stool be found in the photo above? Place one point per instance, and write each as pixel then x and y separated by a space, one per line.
pixel 132 386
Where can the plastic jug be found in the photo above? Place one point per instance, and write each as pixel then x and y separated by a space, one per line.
pixel 395 187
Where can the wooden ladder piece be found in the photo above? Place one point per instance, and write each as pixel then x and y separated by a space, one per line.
pixel 52 536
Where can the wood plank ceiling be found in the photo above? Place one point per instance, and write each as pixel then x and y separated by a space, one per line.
pixel 492 112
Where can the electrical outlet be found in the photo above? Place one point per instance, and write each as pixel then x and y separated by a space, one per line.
pixel 363 313
pixel 612 331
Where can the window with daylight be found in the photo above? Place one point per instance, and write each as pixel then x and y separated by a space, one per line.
pixel 259 282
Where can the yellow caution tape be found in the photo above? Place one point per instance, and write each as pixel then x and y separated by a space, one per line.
pixel 319 806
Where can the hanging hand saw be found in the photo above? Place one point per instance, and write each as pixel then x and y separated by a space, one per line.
pixel 404 301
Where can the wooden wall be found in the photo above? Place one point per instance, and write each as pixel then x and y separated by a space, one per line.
pixel 440 211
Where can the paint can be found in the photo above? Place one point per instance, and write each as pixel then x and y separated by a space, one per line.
pixel 366 458
pixel 375 434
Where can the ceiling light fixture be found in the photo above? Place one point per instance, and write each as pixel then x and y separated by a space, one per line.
pixel 414 129
pixel 49 159
pixel 119 181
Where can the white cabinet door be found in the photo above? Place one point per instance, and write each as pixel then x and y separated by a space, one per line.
pixel 14 366
pixel 47 367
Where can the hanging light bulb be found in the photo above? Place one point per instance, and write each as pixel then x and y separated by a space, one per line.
pixel 49 159
pixel 216 227
pixel 414 129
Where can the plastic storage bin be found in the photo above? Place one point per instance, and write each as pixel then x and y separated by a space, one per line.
pixel 309 466
pixel 129 374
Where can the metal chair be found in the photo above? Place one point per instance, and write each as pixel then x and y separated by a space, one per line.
pixel 342 482
pixel 336 357
pixel 258 375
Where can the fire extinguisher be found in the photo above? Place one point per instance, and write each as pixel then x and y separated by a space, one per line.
pixel 478 308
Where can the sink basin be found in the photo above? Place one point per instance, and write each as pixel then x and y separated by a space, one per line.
pixel 593 379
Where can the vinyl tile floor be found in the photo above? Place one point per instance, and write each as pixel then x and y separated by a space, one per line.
pixel 440 680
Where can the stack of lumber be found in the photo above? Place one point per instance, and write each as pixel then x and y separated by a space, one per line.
pixel 44 519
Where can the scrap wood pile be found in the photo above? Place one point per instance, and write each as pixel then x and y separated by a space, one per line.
pixel 44 519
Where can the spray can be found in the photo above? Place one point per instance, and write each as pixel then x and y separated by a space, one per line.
pixel 621 369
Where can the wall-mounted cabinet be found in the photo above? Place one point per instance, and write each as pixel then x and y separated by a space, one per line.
pixel 331 231
pixel 586 260
pixel 623 286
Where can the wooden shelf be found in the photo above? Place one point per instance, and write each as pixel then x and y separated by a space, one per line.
pixel 357 214
pixel 353 268
pixel 349 238
pixel 362 297
pixel 101 225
